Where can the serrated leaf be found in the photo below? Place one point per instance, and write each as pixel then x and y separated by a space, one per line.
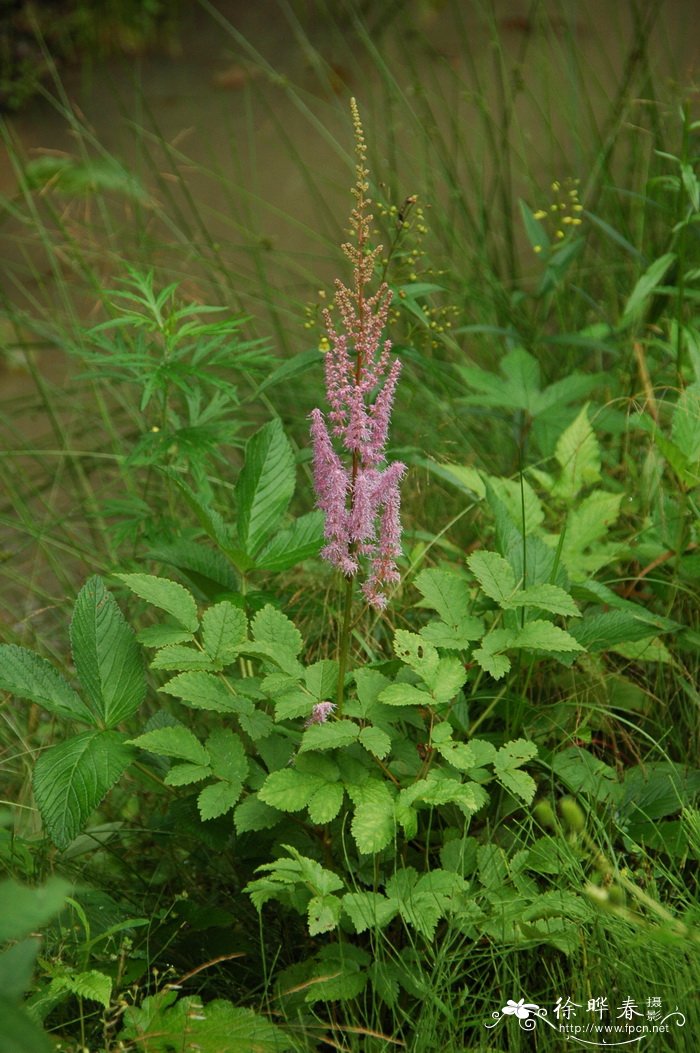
pixel 289 790
pixel 186 774
pixel 321 679
pixel 326 802
pixel 494 574
pixel 506 765
pixel 323 914
pixel 173 741
pixel 71 779
pixel 416 652
pixel 447 679
pixel 543 636
pixel 685 426
pixel 253 814
pixel 578 453
pixel 203 690
pixel 456 638
pixel 224 628
pixel 168 595
pixel 160 635
pixel 369 910
pixel 206 567
pixel 26 909
pixel 270 626
pixel 600 630
pixel 26 675
pixel 106 656
pixel 375 741
pixel 93 985
pixel 302 540
pixel 179 656
pixel 458 754
pixel 547 598
pixel 227 755
pixel 265 485
pixel 217 799
pixel 490 656
pixel 404 695
pixel 334 734
pixel 373 823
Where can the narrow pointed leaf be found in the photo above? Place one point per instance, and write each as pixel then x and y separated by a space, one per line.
pixel 28 676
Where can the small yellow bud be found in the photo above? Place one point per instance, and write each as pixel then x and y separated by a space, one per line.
pixel 540 214
pixel 537 248
pixel 324 345
pixel 155 428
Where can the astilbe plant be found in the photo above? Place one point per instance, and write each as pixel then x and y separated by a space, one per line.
pixel 360 497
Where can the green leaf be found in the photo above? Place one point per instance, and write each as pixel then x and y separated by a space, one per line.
pixel 202 690
pixel 160 635
pixel 323 914
pixel 375 741
pixel 71 779
pixel 254 814
pixel 685 427
pixel 224 628
pixel 447 679
pixel 326 802
pixel 17 966
pixel 93 985
pixel 106 655
pixel 416 652
pixel 19 1034
pixel 373 824
pixel 26 909
pixel 459 754
pixel 270 626
pixel 289 790
pixel 321 679
pixel 173 741
pixel 265 485
pixel 227 755
pixel 186 774
pixel 217 799
pixel 404 695
pixel 179 656
pixel 543 636
pixel 369 910
pixel 302 540
pixel 494 574
pixel 578 453
pixel 335 734
pixel 601 630
pixel 536 233
pixel 645 286
pixel 548 598
pixel 28 676
pixel 167 595
pixel 506 765
pixel 490 656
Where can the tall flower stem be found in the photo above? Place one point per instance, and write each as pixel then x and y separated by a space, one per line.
pixel 344 644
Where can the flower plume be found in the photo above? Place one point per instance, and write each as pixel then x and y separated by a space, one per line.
pixel 360 499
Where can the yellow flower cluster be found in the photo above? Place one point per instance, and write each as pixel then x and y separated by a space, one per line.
pixel 563 214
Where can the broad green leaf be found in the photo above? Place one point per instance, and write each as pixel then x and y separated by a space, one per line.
pixel 203 690
pixel 217 799
pixel 369 910
pixel 179 656
pixel 326 802
pixel 375 741
pixel 448 594
pixel 93 985
pixel 302 540
pixel 254 814
pixel 321 679
pixel 543 636
pixel 645 286
pixel 447 679
pixel 456 638
pixel 323 914
pixel 227 755
pixel 459 754
pixel 26 909
pixel 653 650
pixel 265 485
pixel 490 655
pixel 173 741
pixel 494 574
pixel 289 790
pixel 160 635
pixel 464 477
pixel 600 630
pixel 26 675
pixel 71 779
pixel 404 695
pixel 270 626
pixel 373 824
pixel 588 523
pixel 578 453
pixel 224 628
pixel 206 567
pixel 168 595
pixel 107 658
pixel 186 774
pixel 547 598
pixel 416 652
pixel 506 765
pixel 520 501
pixel 332 735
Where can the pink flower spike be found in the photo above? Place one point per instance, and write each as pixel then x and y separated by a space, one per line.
pixel 320 713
